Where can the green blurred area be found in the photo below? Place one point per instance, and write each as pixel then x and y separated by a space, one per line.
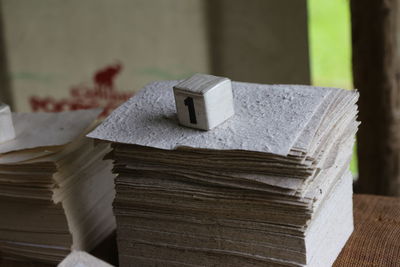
pixel 330 43
pixel 330 47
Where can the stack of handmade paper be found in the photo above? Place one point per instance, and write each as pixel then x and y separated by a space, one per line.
pixel 55 190
pixel 271 186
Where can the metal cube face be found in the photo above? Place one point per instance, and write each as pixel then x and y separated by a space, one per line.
pixel 6 125
pixel 204 101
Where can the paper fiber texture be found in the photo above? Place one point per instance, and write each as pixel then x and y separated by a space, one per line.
pixel 48 129
pixel 268 118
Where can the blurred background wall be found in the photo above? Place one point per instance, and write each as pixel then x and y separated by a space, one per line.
pixel 61 55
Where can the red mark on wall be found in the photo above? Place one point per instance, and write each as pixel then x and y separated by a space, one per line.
pixel 104 78
pixel 102 93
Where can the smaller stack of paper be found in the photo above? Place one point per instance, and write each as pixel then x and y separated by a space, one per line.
pixel 55 190
pixel 82 259
pixel 269 187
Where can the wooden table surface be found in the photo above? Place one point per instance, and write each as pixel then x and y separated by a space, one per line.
pixel 374 242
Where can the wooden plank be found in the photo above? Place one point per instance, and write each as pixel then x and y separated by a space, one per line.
pixel 376 74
